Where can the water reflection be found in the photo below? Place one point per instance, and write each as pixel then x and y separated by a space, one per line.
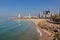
pixel 19 22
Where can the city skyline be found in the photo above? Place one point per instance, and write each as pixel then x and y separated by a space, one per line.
pixel 11 8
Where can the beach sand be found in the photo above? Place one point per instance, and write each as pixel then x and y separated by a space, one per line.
pixel 44 34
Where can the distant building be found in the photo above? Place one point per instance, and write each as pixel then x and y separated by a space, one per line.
pixel 19 16
pixel 47 14
pixel 27 17
pixel 34 17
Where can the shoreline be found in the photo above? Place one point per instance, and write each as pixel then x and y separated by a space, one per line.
pixel 43 33
pixel 38 30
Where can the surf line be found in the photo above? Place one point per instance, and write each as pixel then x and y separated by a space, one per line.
pixel 39 32
pixel 37 28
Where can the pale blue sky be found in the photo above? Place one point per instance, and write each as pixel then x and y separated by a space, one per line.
pixel 11 8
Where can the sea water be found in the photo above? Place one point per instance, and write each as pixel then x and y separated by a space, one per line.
pixel 18 30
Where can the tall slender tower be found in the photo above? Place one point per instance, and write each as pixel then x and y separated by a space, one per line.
pixel 19 16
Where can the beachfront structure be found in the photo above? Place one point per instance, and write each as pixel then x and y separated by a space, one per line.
pixel 55 18
pixel 34 17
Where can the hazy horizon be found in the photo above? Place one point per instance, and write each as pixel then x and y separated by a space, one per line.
pixel 11 8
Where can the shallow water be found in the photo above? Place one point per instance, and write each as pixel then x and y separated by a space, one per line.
pixel 18 30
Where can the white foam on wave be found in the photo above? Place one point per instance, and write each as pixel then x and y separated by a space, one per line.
pixel 39 31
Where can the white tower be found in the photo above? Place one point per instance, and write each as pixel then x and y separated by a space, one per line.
pixel 19 16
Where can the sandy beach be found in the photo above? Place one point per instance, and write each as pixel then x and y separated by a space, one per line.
pixel 44 35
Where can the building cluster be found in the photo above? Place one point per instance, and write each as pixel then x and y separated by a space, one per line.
pixel 47 14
